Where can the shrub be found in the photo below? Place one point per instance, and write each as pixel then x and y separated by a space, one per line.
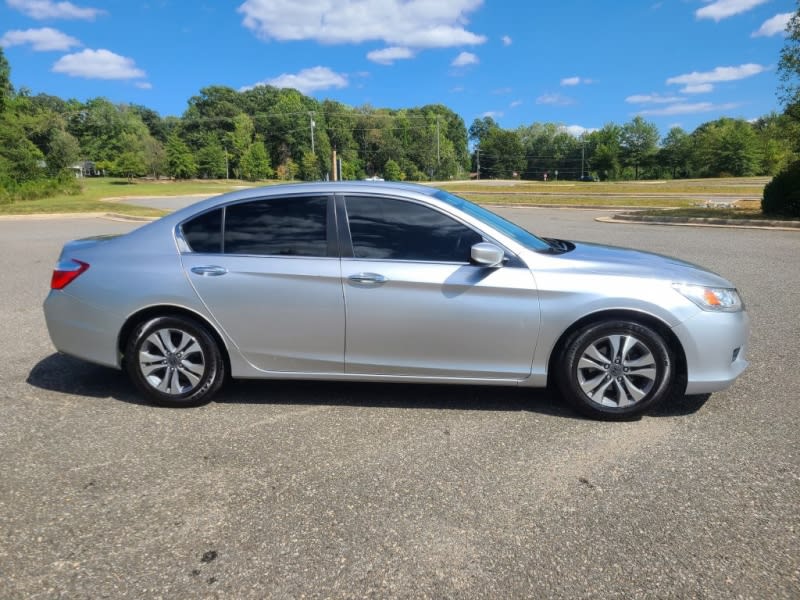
pixel 782 194
pixel 39 188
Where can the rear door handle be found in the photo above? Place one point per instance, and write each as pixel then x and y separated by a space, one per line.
pixel 209 271
pixel 367 278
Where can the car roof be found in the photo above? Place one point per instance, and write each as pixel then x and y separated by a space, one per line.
pixel 317 187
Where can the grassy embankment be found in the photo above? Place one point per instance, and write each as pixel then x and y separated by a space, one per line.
pixel 694 198
pixel 103 194
pixel 684 197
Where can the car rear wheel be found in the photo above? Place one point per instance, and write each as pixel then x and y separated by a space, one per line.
pixel 616 370
pixel 174 361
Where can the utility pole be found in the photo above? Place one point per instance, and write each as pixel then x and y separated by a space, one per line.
pixel 438 159
pixel 583 156
pixel 478 154
pixel 311 118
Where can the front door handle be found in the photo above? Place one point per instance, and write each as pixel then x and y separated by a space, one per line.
pixel 209 271
pixel 367 278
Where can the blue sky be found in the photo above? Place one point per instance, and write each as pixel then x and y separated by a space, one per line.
pixel 581 63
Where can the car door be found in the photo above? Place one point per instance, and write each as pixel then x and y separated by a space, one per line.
pixel 416 306
pixel 272 281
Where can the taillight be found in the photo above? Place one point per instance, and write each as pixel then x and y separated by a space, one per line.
pixel 65 272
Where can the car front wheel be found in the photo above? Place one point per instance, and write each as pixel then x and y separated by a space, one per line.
pixel 174 361
pixel 616 370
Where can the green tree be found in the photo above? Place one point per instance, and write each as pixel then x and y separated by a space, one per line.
pixel 287 170
pixel 130 164
pixel 777 134
pixel 638 141
pixel 549 147
pixel 63 151
pixel 155 157
pixel 789 65
pixel 502 154
pixel 6 90
pixel 309 166
pixel 676 152
pixel 239 140
pixel 605 162
pixel 255 163
pixel 480 127
pixel 392 171
pixel 726 147
pixel 211 161
pixel 603 151
pixel 180 162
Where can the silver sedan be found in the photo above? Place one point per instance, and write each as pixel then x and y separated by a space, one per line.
pixel 367 281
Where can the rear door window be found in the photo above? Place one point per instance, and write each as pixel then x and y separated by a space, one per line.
pixel 290 226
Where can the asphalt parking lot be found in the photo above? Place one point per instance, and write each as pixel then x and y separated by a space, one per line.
pixel 292 490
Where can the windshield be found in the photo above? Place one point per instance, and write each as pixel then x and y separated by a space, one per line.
pixel 515 232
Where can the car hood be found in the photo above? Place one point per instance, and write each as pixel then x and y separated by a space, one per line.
pixel 610 260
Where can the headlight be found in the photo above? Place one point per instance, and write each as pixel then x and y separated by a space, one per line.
pixel 711 298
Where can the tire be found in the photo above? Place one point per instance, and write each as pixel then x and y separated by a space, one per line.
pixel 174 362
pixel 616 370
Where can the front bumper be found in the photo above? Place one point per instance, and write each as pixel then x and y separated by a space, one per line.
pixel 715 344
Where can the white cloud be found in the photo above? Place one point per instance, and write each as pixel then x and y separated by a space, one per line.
pixel 722 9
pixel 144 85
pixel 502 91
pixel 688 108
pixel 578 130
pixel 652 99
pixel 458 89
pixel 494 114
pixel 410 24
pixel 47 9
pixel 98 64
pixel 571 81
pixel 773 26
pixel 387 56
pixel 555 100
pixel 698 88
pixel 507 41
pixel 41 40
pixel 516 103
pixel 465 59
pixel 718 74
pixel 306 81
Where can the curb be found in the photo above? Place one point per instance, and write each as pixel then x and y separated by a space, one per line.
pixel 623 218
pixel 81 215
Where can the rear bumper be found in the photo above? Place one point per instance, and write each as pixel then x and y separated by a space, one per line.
pixel 81 329
pixel 716 349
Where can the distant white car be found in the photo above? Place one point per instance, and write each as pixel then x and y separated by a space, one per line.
pixel 390 282
pixel 373 178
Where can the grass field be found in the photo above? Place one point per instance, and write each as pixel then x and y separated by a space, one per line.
pixel 108 194
pixel 734 186
pixel 97 192
pixel 716 213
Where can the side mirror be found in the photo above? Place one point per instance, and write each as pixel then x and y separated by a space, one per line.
pixel 487 254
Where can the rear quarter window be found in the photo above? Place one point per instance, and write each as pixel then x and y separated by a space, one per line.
pixel 203 233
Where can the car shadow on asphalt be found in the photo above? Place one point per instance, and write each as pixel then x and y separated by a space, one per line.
pixel 63 374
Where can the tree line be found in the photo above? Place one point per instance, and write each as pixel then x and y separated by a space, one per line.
pixel 267 132
pixel 635 150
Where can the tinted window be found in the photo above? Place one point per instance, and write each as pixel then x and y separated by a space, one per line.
pixel 204 233
pixel 524 237
pixel 277 226
pixel 383 228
